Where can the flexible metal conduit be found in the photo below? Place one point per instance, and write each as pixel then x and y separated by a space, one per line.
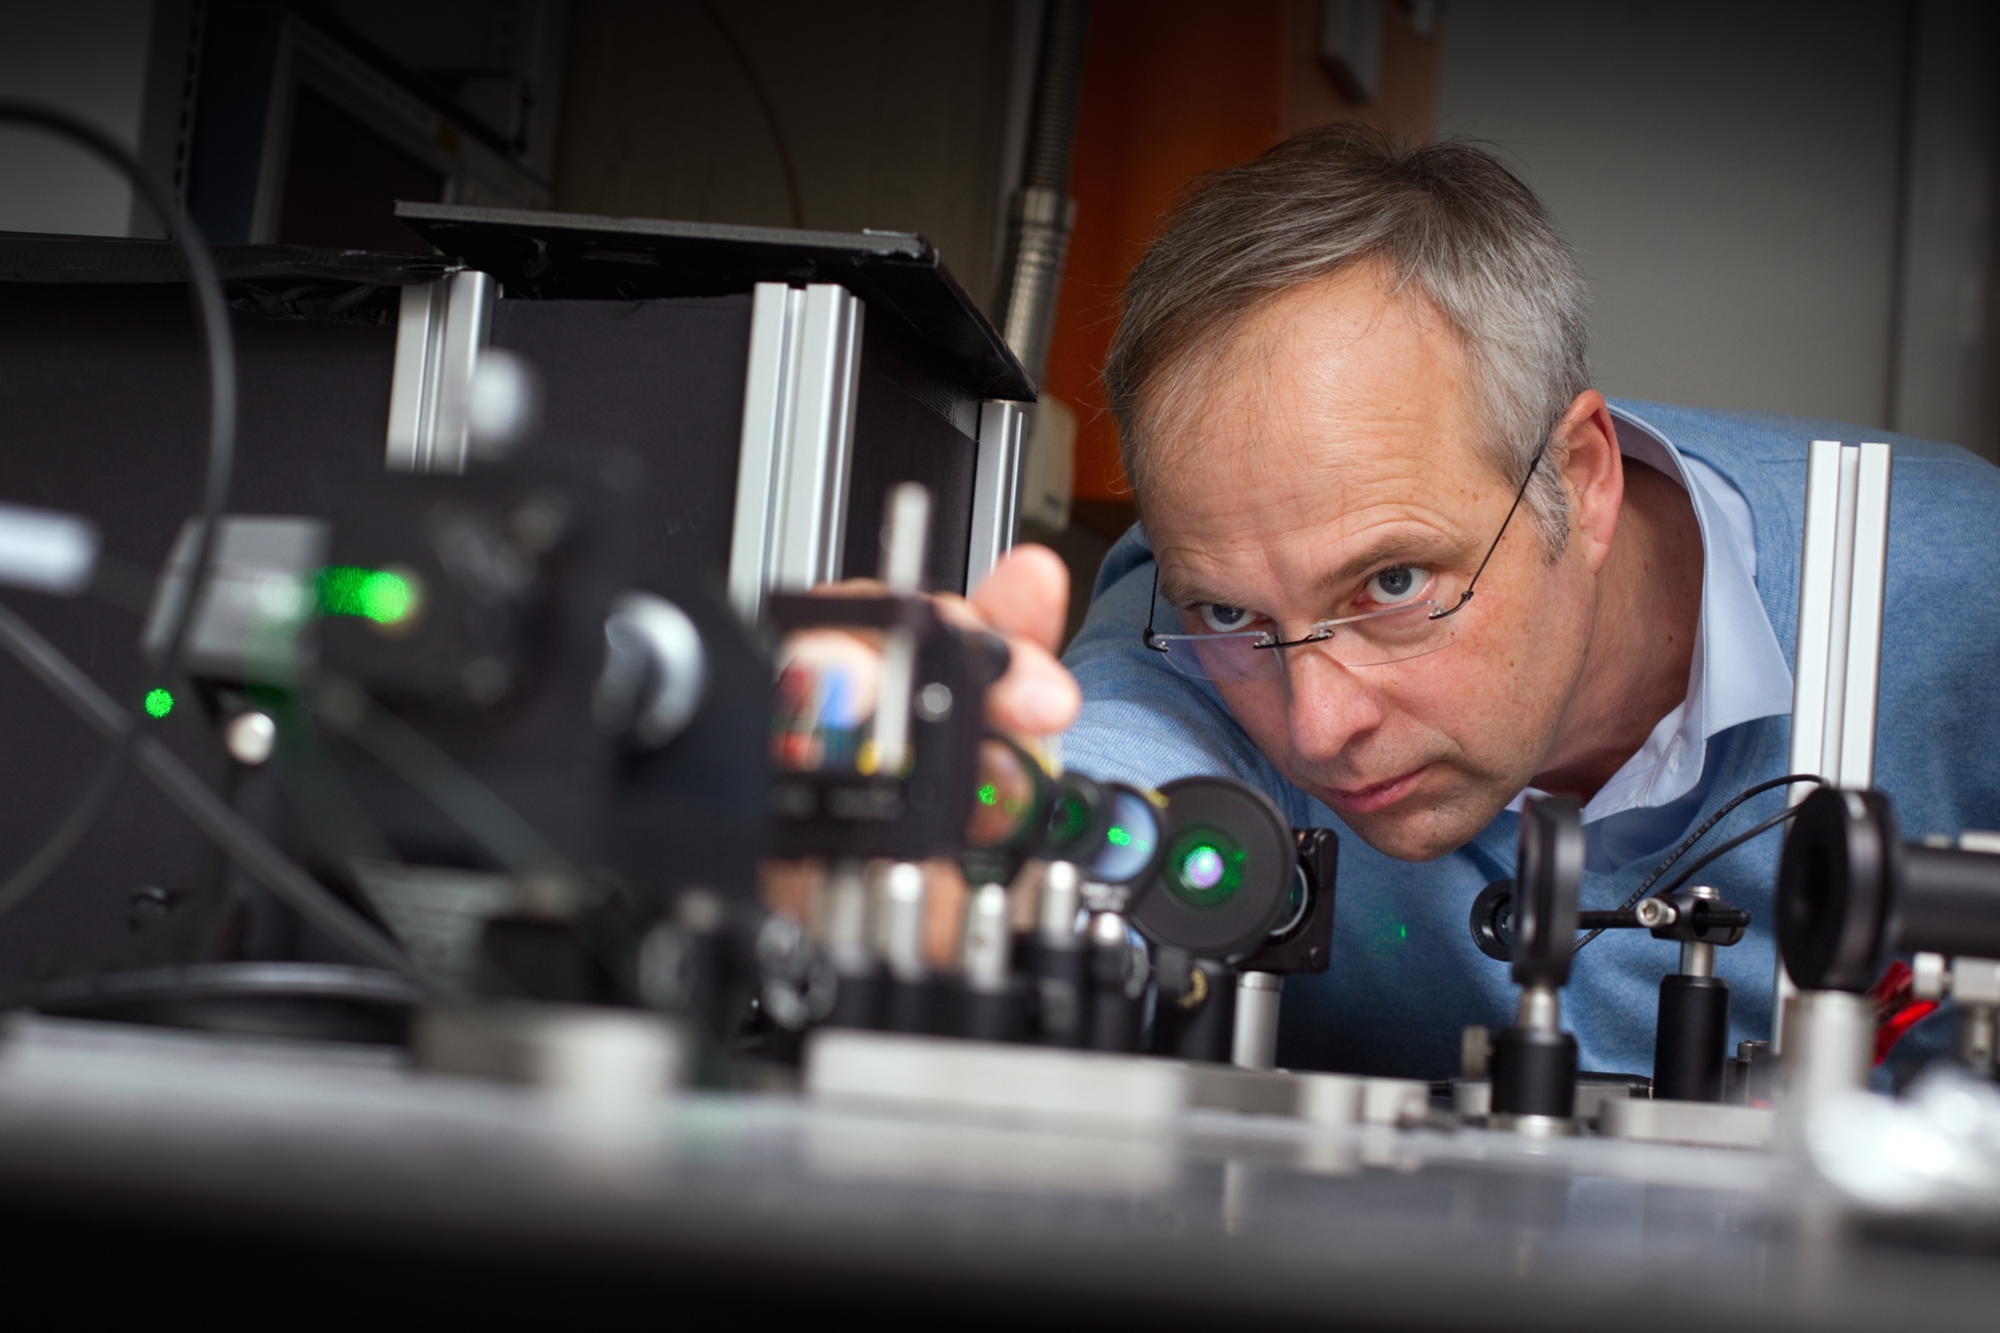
pixel 1041 214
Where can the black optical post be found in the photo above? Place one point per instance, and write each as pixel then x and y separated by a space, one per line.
pixel 1691 1042
pixel 1103 842
pixel 1534 1061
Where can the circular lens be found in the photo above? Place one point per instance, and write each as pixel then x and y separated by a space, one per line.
pixel 1129 842
pixel 1003 803
pixel 1296 903
pixel 1068 819
pixel 1205 867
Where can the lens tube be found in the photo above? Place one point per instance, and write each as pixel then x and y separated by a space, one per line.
pixel 1227 877
pixel 1069 818
pixel 1008 800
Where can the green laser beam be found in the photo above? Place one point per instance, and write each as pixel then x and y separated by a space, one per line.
pixel 373 594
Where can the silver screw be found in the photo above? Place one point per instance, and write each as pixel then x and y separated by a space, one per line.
pixel 251 737
pixel 1655 912
pixel 934 702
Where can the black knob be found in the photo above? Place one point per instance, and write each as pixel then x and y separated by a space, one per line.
pixel 1549 875
pixel 1834 889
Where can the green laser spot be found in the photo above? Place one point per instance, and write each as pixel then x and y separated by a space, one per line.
pixel 1203 868
pixel 159 702
pixel 989 794
pixel 1118 837
pixel 1402 932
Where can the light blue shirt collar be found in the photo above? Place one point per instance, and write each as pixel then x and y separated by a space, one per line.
pixel 1738 674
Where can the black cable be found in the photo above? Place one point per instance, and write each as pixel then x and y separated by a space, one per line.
pixel 1701 832
pixel 764 104
pixel 1727 847
pixel 342 707
pixel 79 821
pixel 221 354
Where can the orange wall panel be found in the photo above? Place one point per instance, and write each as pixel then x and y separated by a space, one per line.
pixel 1172 89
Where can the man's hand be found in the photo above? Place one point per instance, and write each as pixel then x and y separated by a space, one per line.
pixel 1025 600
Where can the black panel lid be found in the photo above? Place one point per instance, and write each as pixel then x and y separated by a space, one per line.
pixel 582 257
pixel 40 257
pixel 290 281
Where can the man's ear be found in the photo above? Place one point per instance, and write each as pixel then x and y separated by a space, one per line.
pixel 1593 471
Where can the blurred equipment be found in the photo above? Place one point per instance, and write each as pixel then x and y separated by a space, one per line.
pixel 1350 44
pixel 1041 214
pixel 1852 895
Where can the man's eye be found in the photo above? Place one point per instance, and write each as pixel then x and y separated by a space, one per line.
pixel 1399 583
pixel 1224 619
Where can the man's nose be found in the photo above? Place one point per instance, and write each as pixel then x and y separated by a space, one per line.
pixel 1329 704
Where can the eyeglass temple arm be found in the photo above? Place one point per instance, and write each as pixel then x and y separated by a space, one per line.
pixel 1146 634
pixel 1465 596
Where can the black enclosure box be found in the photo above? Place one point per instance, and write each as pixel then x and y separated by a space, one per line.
pixel 645 337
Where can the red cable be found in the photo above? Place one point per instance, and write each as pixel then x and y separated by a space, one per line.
pixel 1897 1009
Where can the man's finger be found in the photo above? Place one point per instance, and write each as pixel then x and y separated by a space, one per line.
pixel 1027 594
pixel 1037 696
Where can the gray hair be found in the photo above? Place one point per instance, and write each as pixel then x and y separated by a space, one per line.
pixel 1446 219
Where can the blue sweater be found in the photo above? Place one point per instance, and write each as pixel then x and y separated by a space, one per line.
pixel 1405 976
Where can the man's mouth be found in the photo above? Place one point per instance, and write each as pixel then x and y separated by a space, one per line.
pixel 1368 800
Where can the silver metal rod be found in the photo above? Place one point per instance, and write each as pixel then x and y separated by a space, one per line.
pixel 770 385
pixel 794 457
pixel 820 447
pixel 986 955
pixel 996 488
pixel 1254 1042
pixel 1976 1030
pixel 1867 585
pixel 1697 959
pixel 1062 895
pixel 1540 1009
pixel 1833 1041
pixel 1843 565
pixel 905 539
pixel 844 920
pixel 902 918
pixel 906 530
pixel 1107 930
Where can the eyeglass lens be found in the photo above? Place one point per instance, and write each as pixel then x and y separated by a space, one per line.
pixel 1371 641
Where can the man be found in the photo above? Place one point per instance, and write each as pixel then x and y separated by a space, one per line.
pixel 1399 566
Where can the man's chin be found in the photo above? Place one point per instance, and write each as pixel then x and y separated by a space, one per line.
pixel 1414 830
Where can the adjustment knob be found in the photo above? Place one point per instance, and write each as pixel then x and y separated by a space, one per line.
pixel 654 671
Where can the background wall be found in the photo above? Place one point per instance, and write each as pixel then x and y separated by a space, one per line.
pixel 1738 182
pixel 88 57
pixel 892 114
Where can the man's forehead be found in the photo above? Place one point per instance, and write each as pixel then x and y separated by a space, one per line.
pixel 1325 554
pixel 1338 379
pixel 1316 472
